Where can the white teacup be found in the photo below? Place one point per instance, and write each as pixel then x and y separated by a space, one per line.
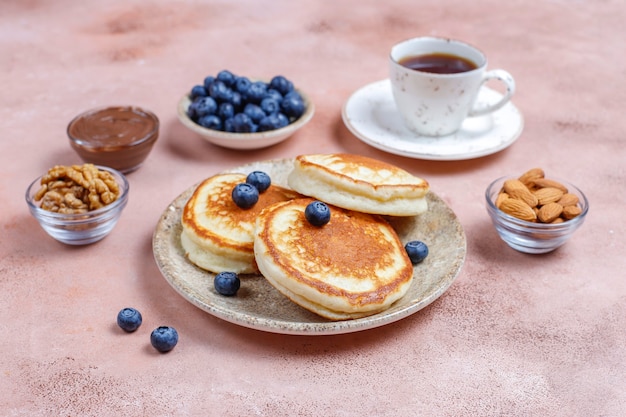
pixel 436 104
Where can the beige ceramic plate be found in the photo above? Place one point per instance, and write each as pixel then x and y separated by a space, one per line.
pixel 259 306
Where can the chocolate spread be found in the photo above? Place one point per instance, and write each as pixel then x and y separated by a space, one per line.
pixel 118 137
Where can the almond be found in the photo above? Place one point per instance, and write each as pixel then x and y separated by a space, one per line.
pixel 516 189
pixel 517 208
pixel 500 198
pixel 529 176
pixel 548 195
pixel 568 199
pixel 569 212
pixel 550 212
pixel 533 197
pixel 545 182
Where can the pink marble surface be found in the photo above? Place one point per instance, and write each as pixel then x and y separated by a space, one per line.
pixel 515 335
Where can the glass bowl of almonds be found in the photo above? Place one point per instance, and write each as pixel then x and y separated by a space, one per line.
pixel 78 204
pixel 534 213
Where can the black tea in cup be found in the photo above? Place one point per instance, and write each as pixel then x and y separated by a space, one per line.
pixel 438 63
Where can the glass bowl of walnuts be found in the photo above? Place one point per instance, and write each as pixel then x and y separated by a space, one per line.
pixel 78 204
pixel 533 213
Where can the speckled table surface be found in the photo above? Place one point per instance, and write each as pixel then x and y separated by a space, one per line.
pixel 514 335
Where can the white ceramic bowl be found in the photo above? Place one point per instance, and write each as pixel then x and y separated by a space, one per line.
pixel 529 237
pixel 245 140
pixel 80 229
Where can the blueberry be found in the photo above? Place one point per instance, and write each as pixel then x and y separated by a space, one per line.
pixel 417 251
pixel 203 106
pixel 129 319
pixel 242 84
pixel 229 125
pixel 164 338
pixel 270 105
pixel 254 112
pixel 198 91
pixel 244 106
pixel 227 283
pixel 282 120
pixel 317 213
pixel 294 94
pixel 220 92
pixel 236 100
pixel 273 93
pixel 292 105
pixel 242 123
pixel 256 92
pixel 281 84
pixel 273 122
pixel 227 78
pixel 208 81
pixel 210 121
pixel 225 111
pixel 261 180
pixel 245 195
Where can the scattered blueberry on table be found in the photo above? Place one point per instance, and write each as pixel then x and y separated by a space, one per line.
pixel 317 213
pixel 129 319
pixel 164 338
pixel 232 103
pixel 417 251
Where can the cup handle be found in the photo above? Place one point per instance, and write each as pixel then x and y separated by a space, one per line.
pixel 504 77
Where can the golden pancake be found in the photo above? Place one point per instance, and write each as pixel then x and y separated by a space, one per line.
pixel 353 266
pixel 359 183
pixel 217 234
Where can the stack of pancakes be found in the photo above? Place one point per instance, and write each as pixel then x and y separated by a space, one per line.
pixel 353 266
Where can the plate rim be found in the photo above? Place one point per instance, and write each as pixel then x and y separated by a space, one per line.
pixel 324 327
pixel 346 117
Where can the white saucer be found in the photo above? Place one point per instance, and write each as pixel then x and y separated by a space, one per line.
pixel 370 114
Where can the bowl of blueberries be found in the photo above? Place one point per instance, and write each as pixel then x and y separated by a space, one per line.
pixel 238 112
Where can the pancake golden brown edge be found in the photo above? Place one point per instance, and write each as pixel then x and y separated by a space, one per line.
pixel 354 266
pixel 218 235
pixel 359 183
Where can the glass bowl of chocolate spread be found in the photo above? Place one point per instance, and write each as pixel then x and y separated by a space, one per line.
pixel 120 137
